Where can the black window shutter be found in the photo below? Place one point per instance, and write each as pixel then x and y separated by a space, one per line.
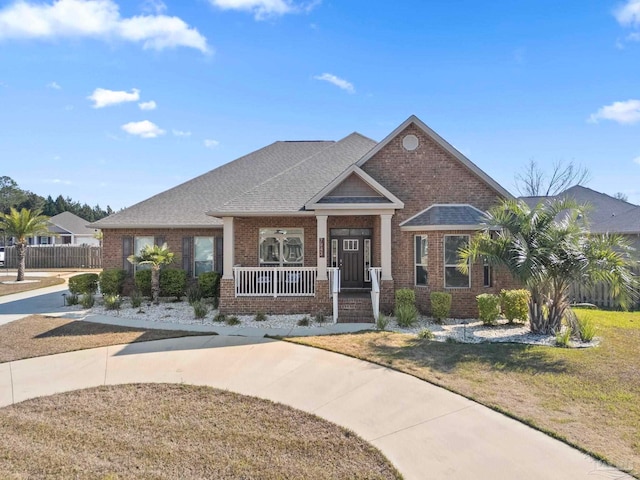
pixel 218 257
pixel 127 250
pixel 158 241
pixel 187 255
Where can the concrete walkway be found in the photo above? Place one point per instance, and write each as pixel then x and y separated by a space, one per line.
pixel 426 431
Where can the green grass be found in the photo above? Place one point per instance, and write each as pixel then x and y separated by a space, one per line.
pixel 589 397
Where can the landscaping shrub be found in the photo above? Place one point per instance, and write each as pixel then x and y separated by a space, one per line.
pixel 563 337
pixel 220 317
pixel 406 315
pixel 173 283
pixel 382 322
pixel 143 282
pixel 194 294
pixel 112 281
pixel 136 299
pixel 304 322
pixel 72 299
pixel 405 296
pixel 586 327
pixel 209 283
pixel 426 334
pixel 260 316
pixel 320 318
pixel 215 303
pixel 83 283
pixel 232 321
pixel 488 308
pixel 515 304
pixel 200 309
pixel 112 302
pixel 440 305
pixel 87 300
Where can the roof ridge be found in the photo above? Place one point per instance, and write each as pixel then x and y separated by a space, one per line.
pixel 282 172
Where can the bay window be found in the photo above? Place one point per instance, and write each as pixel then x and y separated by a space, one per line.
pixel 420 259
pixel 454 278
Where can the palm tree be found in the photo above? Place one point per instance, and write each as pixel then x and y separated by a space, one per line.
pixel 548 248
pixel 155 256
pixel 20 225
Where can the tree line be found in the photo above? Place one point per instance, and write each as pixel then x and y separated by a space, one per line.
pixel 11 195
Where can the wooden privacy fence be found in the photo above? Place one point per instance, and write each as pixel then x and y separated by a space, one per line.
pixel 57 256
pixel 600 295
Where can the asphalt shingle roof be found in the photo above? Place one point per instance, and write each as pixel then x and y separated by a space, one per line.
pixel 446 215
pixel 71 223
pixel 186 205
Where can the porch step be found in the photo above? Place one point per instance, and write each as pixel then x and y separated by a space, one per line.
pixel 355 308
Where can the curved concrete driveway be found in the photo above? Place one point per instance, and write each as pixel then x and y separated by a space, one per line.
pixel 427 432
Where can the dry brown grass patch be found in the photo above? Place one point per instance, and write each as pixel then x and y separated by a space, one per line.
pixel 177 431
pixel 38 335
pixel 40 282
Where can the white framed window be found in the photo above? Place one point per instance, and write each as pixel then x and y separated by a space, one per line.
pixel 421 250
pixel 282 247
pixel 350 245
pixel 203 248
pixel 454 278
pixel 367 259
pixel 139 243
pixel 334 252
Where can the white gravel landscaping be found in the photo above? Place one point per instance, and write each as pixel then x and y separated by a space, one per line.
pixel 464 331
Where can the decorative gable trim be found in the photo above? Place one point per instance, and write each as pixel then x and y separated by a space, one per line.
pixel 442 143
pixel 393 201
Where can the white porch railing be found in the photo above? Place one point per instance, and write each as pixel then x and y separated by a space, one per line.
pixel 376 273
pixel 334 289
pixel 275 281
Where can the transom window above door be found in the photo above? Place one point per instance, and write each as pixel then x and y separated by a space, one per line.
pixel 282 247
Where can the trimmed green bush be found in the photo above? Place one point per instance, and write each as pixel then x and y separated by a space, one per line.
pixel 405 296
pixel 515 304
pixel 143 282
pixel 83 283
pixel 112 281
pixel 209 283
pixel 173 283
pixel 440 305
pixel 488 308
pixel 87 300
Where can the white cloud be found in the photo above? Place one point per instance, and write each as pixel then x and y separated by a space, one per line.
pixel 104 97
pixel 154 6
pixel 96 19
pixel 150 105
pixel 263 9
pixel 637 160
pixel 625 113
pixel 337 81
pixel 629 13
pixel 54 86
pixel 211 143
pixel 57 181
pixel 144 129
pixel 181 133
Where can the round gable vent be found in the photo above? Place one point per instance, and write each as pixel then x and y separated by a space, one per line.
pixel 410 142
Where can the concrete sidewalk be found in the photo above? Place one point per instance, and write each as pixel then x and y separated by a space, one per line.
pixel 426 431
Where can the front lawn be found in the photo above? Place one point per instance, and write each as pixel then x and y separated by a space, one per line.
pixel 590 397
pixel 32 283
pixel 38 335
pixel 177 432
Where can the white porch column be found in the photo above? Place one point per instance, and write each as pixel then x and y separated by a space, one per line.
pixel 385 246
pixel 321 223
pixel 228 250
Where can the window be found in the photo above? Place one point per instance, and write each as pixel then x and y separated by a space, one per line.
pixel 202 255
pixel 421 249
pixel 350 245
pixel 334 252
pixel 454 278
pixel 282 247
pixel 367 259
pixel 486 273
pixel 139 244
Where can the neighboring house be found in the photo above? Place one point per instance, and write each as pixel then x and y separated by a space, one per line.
pixel 67 229
pixel 605 214
pixel 279 223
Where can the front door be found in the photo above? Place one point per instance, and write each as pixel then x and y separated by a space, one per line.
pixel 351 250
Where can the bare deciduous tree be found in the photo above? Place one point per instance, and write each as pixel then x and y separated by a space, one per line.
pixel 534 182
pixel 621 196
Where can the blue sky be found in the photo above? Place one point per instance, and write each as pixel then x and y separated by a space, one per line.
pixel 110 102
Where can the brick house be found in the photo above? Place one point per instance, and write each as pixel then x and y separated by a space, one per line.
pixel 286 223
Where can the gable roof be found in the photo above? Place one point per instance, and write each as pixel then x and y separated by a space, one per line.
pixel 67 222
pixel 446 217
pixel 186 204
pixel 607 214
pixel 444 145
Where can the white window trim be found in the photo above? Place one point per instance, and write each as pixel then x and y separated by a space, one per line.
pixel 213 258
pixel 446 265
pixel 137 252
pixel 415 265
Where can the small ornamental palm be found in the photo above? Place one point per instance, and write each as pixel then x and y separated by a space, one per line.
pixel 20 225
pixel 547 248
pixel 155 256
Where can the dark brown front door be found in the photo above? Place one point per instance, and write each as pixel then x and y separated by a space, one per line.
pixel 351 257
